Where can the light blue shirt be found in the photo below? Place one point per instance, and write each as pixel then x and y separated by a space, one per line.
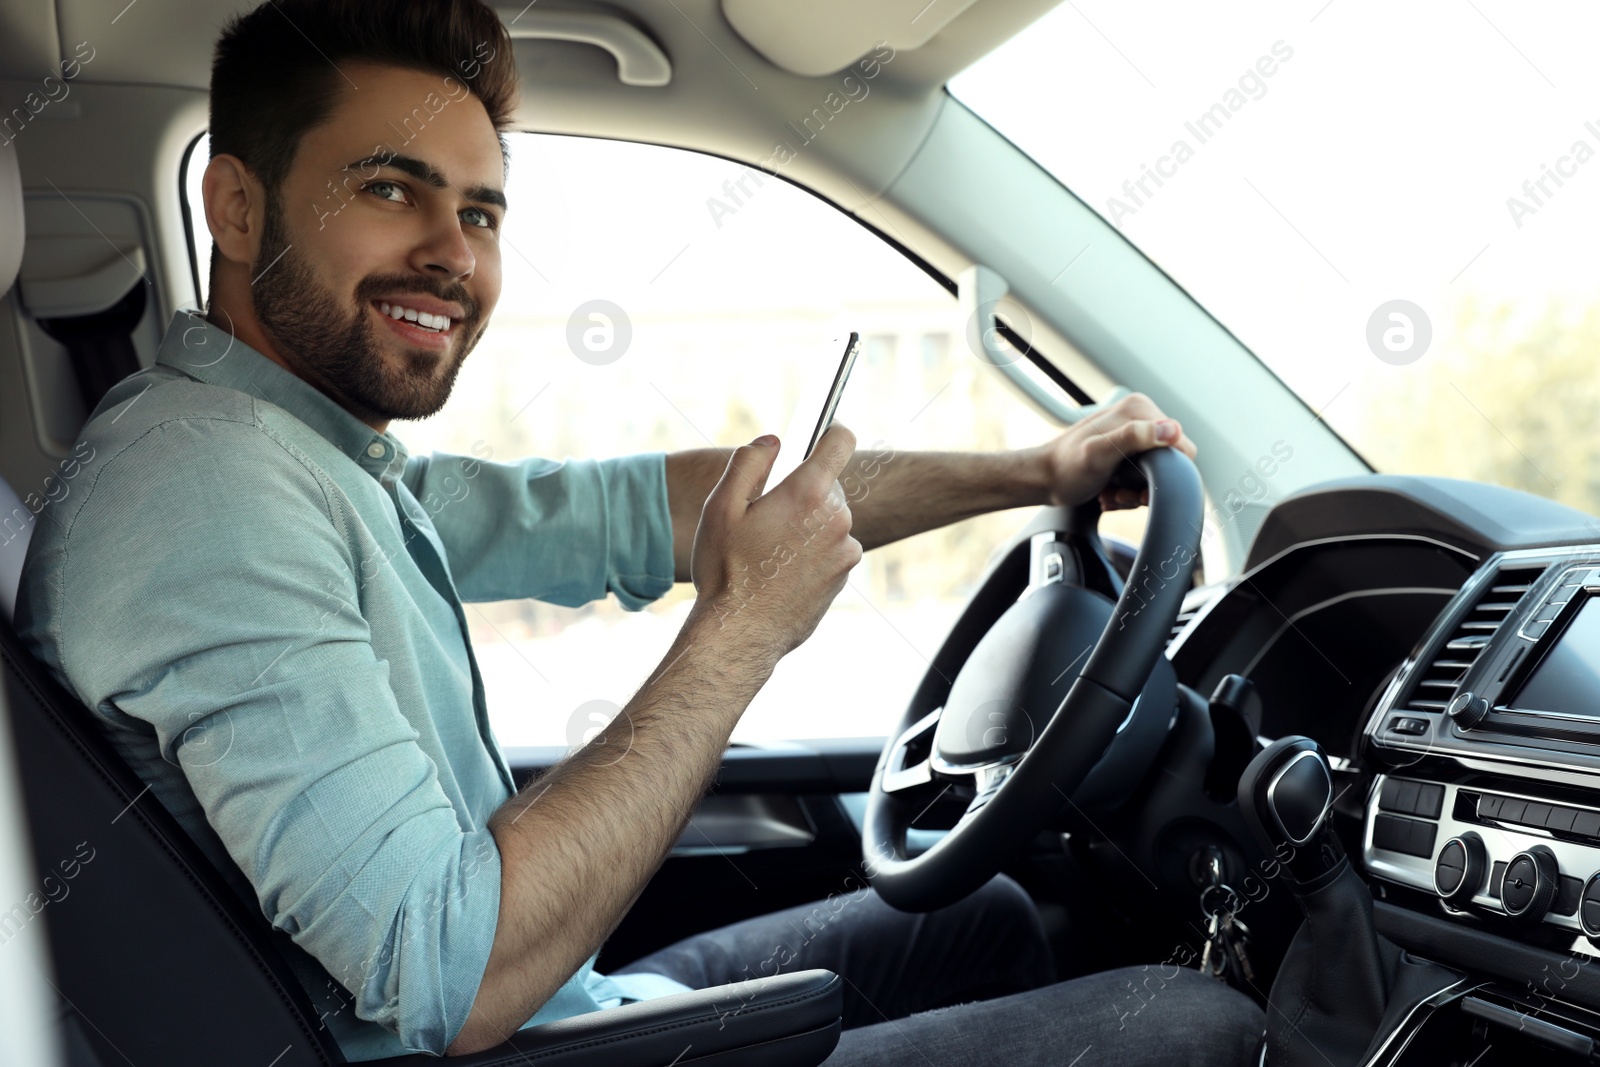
pixel 261 599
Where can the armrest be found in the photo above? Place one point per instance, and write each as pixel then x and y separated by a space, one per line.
pixel 784 1020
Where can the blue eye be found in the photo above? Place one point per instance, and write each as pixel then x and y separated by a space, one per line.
pixel 374 187
pixel 488 219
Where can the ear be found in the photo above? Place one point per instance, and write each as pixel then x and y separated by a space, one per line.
pixel 235 205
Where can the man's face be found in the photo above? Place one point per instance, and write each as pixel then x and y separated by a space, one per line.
pixel 397 200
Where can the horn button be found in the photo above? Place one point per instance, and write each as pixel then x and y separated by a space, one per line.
pixel 1018 675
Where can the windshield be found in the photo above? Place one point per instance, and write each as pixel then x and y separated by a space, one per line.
pixel 1395 207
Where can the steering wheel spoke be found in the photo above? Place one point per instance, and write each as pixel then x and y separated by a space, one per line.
pixel 987 782
pixel 910 762
pixel 1074 555
pixel 1050 560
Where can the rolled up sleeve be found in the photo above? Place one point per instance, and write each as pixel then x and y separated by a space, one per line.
pixel 260 681
pixel 563 531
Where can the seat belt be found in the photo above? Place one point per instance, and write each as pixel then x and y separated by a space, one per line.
pixel 100 346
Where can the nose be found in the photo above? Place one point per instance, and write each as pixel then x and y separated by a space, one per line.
pixel 445 251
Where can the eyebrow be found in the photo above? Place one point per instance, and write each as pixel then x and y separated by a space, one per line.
pixel 425 172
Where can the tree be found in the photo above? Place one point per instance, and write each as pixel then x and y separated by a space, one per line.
pixel 1512 399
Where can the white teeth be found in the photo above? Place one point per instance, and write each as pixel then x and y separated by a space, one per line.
pixel 424 319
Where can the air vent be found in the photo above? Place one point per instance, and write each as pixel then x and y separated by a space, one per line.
pixel 1438 682
pixel 1193 602
pixel 1185 617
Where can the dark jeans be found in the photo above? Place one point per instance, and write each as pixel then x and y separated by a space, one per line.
pixel 911 980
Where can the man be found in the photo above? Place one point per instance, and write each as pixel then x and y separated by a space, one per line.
pixel 277 642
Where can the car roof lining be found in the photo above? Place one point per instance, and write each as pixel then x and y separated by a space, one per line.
pixel 725 96
pixel 170 42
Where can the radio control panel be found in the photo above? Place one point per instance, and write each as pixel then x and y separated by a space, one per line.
pixel 1530 859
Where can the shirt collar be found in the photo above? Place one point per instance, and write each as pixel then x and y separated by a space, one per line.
pixel 201 350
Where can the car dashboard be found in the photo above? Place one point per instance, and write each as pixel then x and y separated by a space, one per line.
pixel 1441 641
pixel 1489 744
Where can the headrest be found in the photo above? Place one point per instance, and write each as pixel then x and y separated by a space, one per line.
pixel 16 529
pixel 11 234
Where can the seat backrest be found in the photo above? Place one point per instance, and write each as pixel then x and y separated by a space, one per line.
pixel 156 959
pixel 156 953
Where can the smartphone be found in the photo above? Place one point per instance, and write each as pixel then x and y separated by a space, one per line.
pixel 805 430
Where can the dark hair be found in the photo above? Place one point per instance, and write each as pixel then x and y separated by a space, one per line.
pixel 275 74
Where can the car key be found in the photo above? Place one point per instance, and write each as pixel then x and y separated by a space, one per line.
pixel 1235 934
pixel 1213 951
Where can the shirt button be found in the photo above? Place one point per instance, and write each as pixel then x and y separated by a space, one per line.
pixel 375 450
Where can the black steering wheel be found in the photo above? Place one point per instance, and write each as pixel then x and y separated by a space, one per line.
pixel 991 710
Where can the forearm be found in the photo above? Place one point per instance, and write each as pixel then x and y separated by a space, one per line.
pixel 578 845
pixel 896 494
pixel 691 474
pixel 892 494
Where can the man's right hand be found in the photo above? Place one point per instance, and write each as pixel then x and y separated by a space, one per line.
pixel 775 562
pixel 578 846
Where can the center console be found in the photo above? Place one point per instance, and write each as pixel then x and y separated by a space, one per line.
pixel 1490 741
pixel 1482 826
pixel 1492 1025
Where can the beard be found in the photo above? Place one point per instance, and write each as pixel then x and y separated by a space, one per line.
pixel 341 354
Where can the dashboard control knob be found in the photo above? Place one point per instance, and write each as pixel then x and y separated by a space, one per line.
pixel 1467 709
pixel 1589 908
pixel 1459 870
pixel 1529 887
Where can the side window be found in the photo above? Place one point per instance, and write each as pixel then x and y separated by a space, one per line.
pixel 194 214
pixel 659 299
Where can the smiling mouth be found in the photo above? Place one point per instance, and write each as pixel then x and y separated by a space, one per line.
pixel 421 320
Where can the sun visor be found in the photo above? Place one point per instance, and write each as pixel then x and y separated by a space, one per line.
pixel 825 36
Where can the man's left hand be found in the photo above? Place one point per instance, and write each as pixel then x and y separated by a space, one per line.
pixel 1080 462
